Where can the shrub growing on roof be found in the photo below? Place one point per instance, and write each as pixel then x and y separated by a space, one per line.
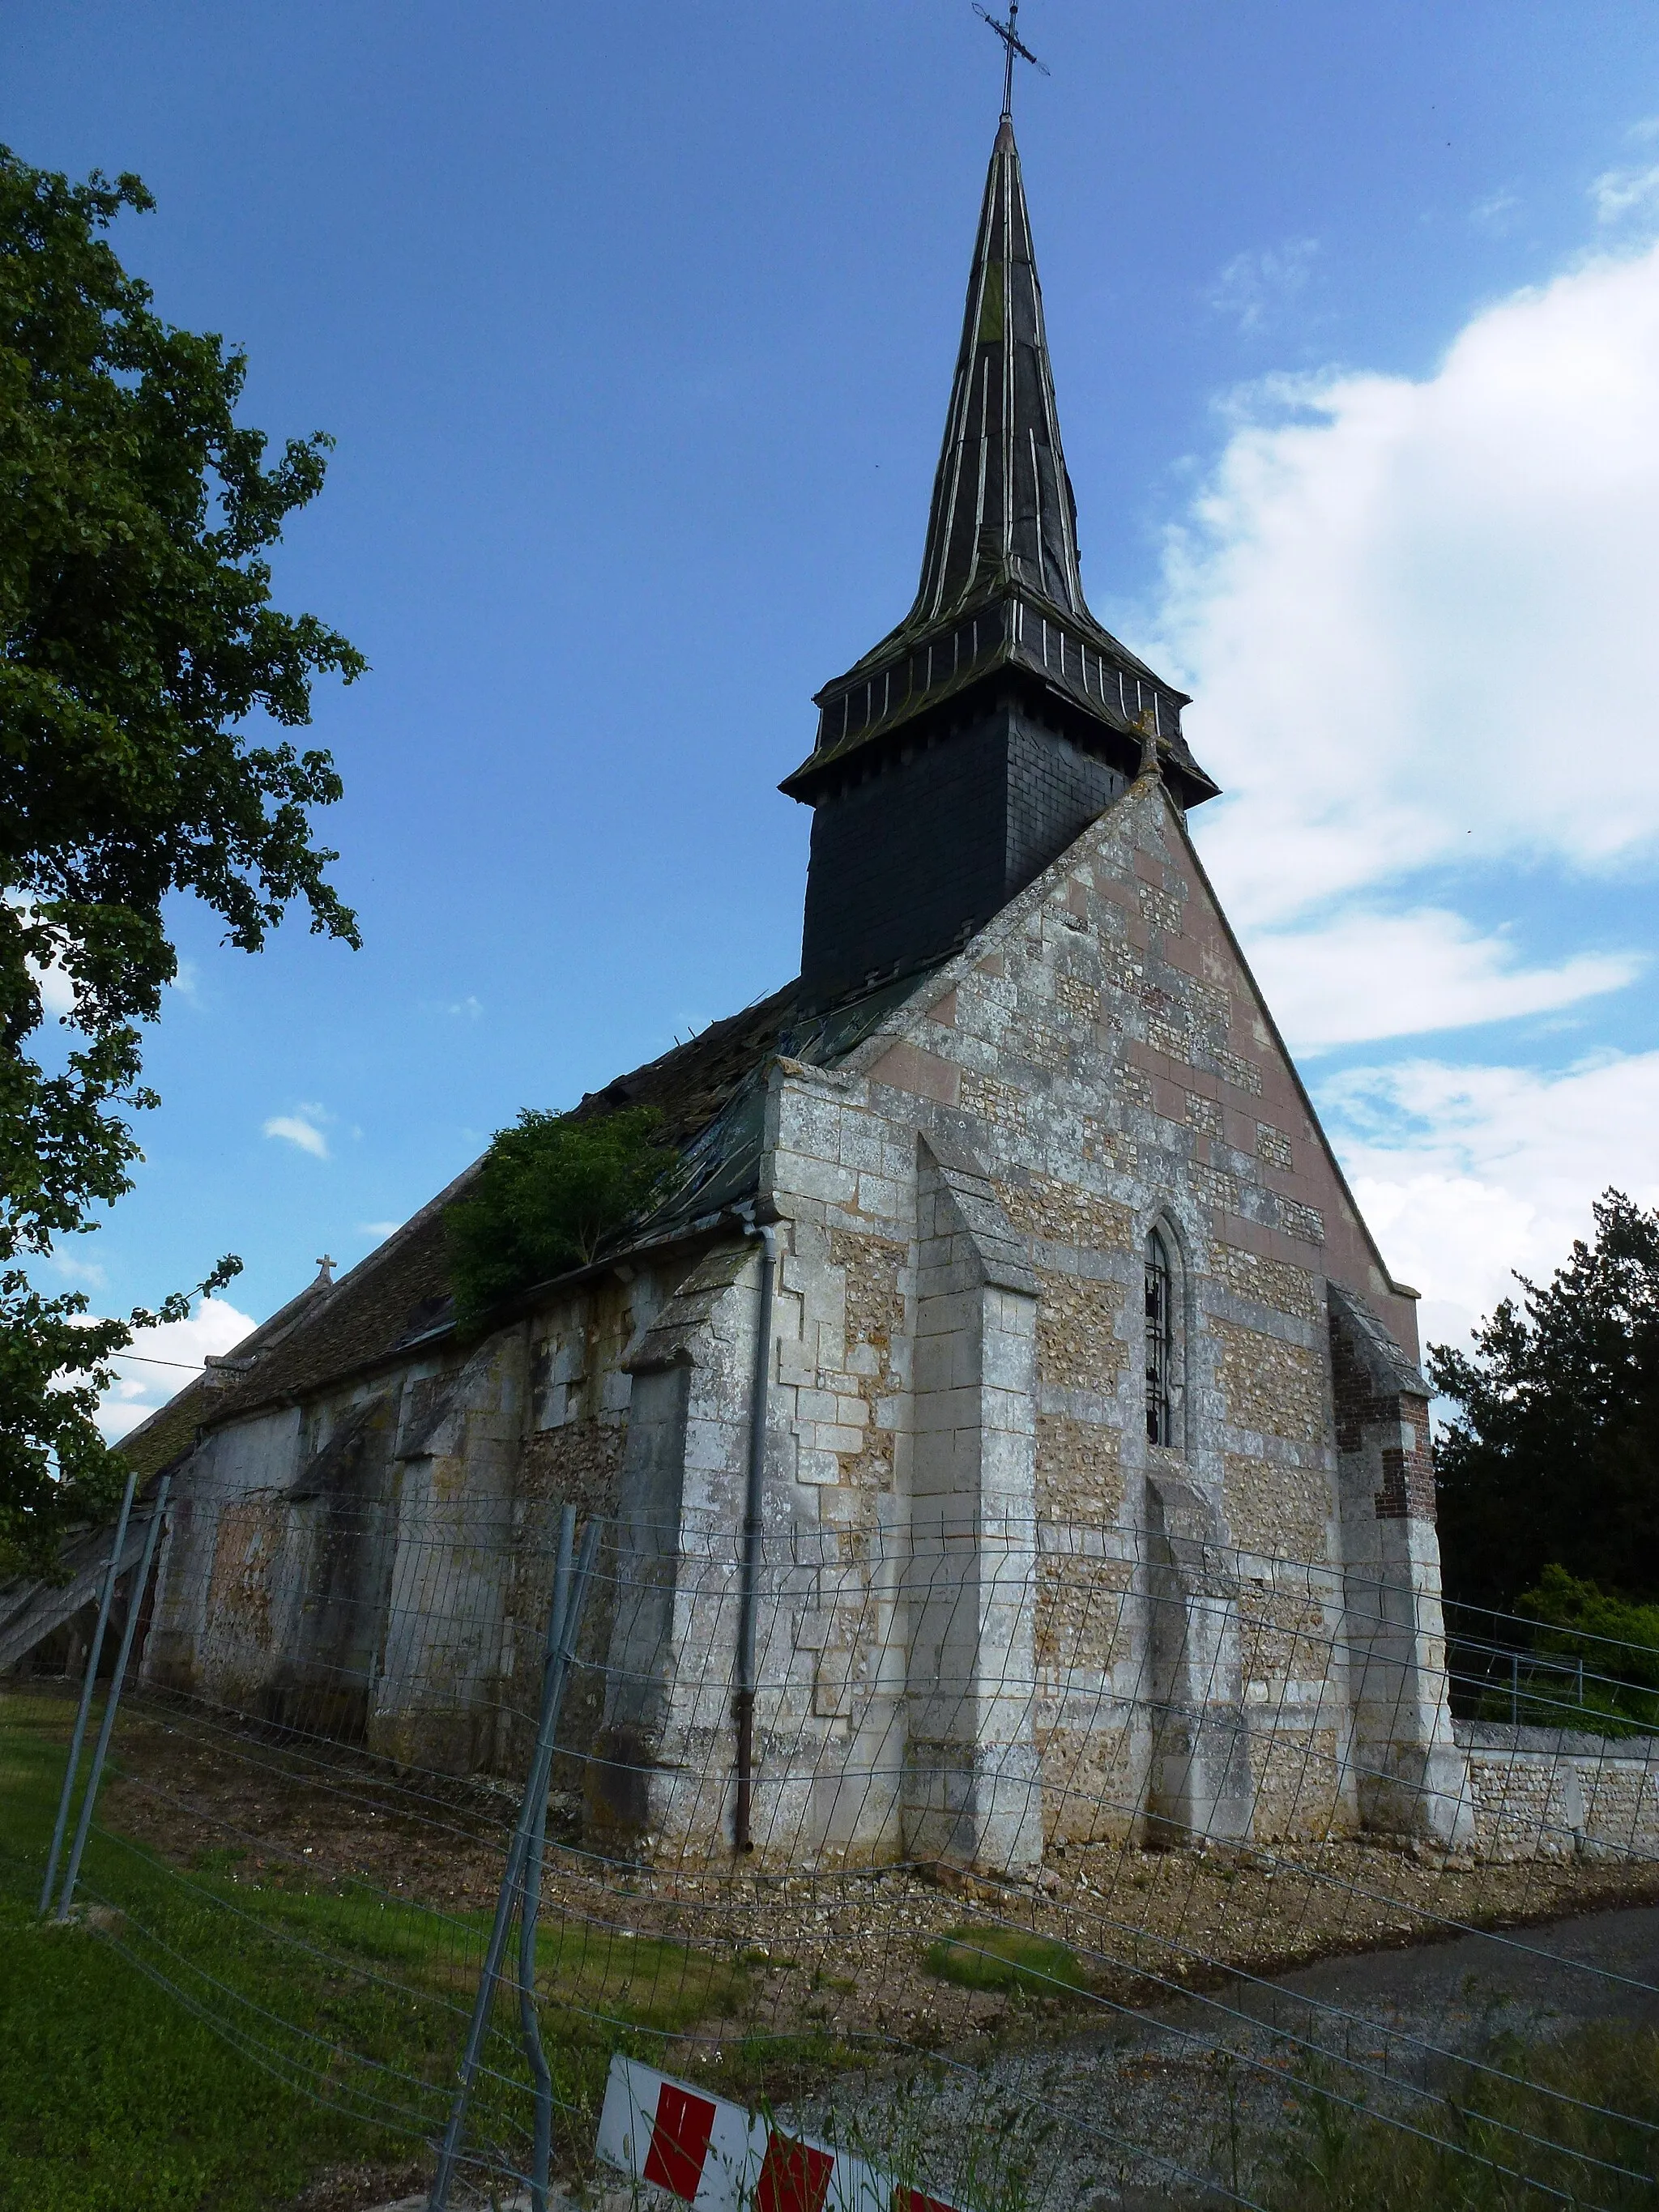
pixel 551 1190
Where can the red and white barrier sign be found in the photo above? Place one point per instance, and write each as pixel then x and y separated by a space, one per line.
pixel 721 2159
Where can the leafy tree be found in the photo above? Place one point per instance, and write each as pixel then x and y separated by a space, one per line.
pixel 551 1190
pixel 1554 1459
pixel 137 641
pixel 1616 1642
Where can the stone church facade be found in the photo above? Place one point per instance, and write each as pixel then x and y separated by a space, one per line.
pixel 1010 1277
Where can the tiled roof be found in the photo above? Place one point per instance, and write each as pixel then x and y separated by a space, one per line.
pixel 708 1092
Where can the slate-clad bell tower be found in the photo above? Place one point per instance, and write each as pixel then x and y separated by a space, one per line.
pixel 970 748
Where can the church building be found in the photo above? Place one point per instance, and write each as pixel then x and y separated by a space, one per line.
pixel 1011 1372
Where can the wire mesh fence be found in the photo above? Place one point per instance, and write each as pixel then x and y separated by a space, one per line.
pixel 1062 1873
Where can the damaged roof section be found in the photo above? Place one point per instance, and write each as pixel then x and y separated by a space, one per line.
pixel 710 1092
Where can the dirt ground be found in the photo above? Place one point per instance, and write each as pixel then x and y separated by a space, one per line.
pixel 836 1954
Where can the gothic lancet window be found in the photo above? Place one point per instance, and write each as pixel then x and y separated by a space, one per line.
pixel 1160 1342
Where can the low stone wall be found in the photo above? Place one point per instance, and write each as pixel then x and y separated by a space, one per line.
pixel 1560 1793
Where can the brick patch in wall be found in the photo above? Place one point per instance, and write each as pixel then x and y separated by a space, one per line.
pixel 1408 1452
pixel 1408 1492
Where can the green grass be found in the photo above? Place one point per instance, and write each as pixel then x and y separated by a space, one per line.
pixel 112 2098
pixel 1007 1958
pixel 1337 2160
pixel 114 2095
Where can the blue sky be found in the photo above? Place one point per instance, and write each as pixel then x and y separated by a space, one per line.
pixel 634 328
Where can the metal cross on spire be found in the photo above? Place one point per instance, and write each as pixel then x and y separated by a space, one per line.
pixel 1012 41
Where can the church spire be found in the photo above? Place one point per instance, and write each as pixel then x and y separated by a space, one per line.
pixel 1001 584
pixel 977 739
pixel 1003 514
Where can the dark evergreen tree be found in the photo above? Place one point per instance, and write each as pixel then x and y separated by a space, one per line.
pixel 1554 1457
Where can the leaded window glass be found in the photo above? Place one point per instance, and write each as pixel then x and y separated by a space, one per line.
pixel 1160 1342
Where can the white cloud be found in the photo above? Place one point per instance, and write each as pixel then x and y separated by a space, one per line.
pixel 1368 974
pixel 1254 285
pixel 295 1129
pixel 1494 212
pixel 1466 1173
pixel 72 1270
pixel 468 1008
pixel 57 988
pixel 142 1383
pixel 1619 192
pixel 379 1228
pixel 1418 616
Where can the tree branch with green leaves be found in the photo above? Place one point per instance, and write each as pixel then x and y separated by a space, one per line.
pixel 146 684
pixel 1553 1456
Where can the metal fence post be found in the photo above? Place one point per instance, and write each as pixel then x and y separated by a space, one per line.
pixel 559 1655
pixel 87 1688
pixel 554 1680
pixel 134 1601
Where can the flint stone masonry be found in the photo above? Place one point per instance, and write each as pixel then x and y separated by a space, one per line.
pixel 1555 1793
pixel 991 1611
pixel 1050 1547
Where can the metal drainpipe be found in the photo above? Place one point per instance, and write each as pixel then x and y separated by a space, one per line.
pixel 743 1705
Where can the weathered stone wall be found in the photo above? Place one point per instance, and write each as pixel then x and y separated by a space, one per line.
pixel 989 1606
pixel 1554 1793
pixel 376 1565
pixel 224 1539
pixel 1103 1050
pixel 1408 1770
pixel 842 1178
